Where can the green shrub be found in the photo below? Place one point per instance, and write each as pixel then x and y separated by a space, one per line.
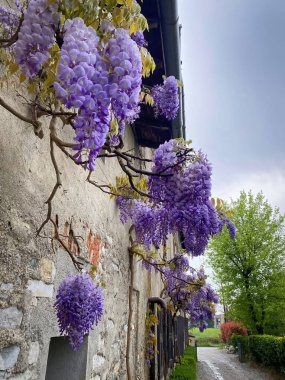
pixel 266 349
pixel 244 340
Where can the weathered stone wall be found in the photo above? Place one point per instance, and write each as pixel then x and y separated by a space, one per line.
pixel 30 270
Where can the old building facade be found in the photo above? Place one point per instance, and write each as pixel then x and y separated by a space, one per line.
pixel 31 268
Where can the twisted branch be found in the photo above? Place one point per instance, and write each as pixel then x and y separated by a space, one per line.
pixel 36 123
pixel 57 172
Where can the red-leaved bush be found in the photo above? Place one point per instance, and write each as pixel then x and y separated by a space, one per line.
pixel 230 328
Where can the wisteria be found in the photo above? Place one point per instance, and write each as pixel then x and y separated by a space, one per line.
pixel 166 100
pixel 36 36
pixel 125 62
pixel 84 85
pixel 180 200
pixel 188 291
pixel 185 288
pixel 79 304
pixel 138 37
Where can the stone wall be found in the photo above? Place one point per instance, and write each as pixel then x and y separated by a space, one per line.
pixel 31 270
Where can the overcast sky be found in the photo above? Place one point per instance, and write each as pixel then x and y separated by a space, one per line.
pixel 233 54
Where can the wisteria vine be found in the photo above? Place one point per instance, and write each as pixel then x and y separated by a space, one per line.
pixel 179 201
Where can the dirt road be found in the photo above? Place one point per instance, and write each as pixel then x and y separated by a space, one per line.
pixel 216 364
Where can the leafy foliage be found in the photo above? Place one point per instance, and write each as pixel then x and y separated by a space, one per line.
pixel 266 349
pixel 250 268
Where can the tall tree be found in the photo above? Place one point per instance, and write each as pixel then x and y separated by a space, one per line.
pixel 251 268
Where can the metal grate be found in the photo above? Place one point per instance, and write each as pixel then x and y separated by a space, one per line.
pixel 172 339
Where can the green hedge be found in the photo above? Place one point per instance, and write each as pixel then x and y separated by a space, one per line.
pixel 266 349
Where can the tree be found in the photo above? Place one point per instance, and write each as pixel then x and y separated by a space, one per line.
pixel 251 268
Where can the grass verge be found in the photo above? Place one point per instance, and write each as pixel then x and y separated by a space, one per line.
pixel 208 338
pixel 186 369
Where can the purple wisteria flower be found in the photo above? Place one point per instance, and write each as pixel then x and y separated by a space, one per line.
pixel 166 100
pixel 101 83
pixel 125 81
pixel 9 21
pixel 230 226
pixel 138 37
pixel 79 304
pixel 36 36
pixel 180 201
pixel 188 291
pixel 84 85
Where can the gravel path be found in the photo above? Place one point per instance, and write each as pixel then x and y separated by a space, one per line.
pixel 216 364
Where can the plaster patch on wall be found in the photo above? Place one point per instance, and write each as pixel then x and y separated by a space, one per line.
pixel 10 317
pixel 98 361
pixel 94 244
pixel 34 352
pixel 47 269
pixel 40 289
pixel 9 357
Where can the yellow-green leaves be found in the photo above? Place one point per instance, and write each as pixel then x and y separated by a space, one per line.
pixel 122 187
pixel 114 126
pixel 147 62
pixel 147 98
pixel 13 68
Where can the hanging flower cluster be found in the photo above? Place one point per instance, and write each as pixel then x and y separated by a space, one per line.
pixel 36 36
pixel 179 201
pixel 188 291
pixel 125 80
pixel 165 97
pixel 84 85
pixel 79 304
pixel 185 289
pixel 101 83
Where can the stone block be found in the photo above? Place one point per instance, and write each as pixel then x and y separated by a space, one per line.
pixel 6 287
pixel 10 317
pixel 5 290
pixel 34 352
pixel 40 289
pixel 9 357
pixel 47 269
pixel 98 361
pixel 110 324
